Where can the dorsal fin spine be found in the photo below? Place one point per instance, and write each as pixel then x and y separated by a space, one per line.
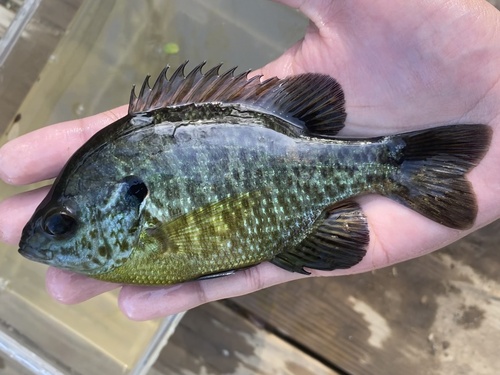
pixel 309 103
pixel 197 81
pixel 156 90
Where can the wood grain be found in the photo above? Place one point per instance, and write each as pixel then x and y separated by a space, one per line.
pixel 215 340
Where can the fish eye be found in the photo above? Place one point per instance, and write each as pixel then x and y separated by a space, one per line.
pixel 58 223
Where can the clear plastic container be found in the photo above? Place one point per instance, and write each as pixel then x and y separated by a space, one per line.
pixel 109 46
pixel 16 20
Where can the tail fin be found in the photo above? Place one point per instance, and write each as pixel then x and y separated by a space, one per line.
pixel 433 164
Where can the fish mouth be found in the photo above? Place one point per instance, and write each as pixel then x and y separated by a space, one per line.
pixel 27 250
pixel 37 255
pixel 33 253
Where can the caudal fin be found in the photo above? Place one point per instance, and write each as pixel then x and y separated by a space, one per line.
pixel 432 178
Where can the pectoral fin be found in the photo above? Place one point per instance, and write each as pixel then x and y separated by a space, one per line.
pixel 207 228
pixel 339 239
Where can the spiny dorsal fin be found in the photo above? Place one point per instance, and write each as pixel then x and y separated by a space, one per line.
pixel 313 102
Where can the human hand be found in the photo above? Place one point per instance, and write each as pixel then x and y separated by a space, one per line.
pixel 402 65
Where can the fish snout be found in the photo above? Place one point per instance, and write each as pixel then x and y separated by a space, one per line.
pixel 35 254
pixel 27 250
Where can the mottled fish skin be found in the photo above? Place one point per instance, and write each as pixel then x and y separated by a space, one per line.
pixel 209 165
pixel 171 193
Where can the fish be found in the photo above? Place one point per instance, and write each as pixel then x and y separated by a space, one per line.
pixel 213 172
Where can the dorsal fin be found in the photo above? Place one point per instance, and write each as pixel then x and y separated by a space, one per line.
pixel 312 102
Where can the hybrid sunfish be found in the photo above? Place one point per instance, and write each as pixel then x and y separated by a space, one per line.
pixel 209 173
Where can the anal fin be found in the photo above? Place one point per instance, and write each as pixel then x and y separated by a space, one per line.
pixel 338 240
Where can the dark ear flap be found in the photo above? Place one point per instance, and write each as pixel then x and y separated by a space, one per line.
pixel 124 204
pixel 134 189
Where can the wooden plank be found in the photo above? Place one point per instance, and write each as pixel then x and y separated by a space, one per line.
pixel 213 339
pixel 436 314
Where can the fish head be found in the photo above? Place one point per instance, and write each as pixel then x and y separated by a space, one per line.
pixel 91 232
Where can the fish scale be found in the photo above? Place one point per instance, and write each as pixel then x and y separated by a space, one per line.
pixel 207 170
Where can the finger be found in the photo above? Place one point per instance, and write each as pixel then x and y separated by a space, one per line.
pixel 41 154
pixel 70 288
pixel 15 213
pixel 143 303
pixel 398 233
pixel 413 236
pixel 323 15
pixel 387 246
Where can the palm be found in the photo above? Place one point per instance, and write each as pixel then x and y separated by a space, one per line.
pixel 403 65
pixel 396 58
